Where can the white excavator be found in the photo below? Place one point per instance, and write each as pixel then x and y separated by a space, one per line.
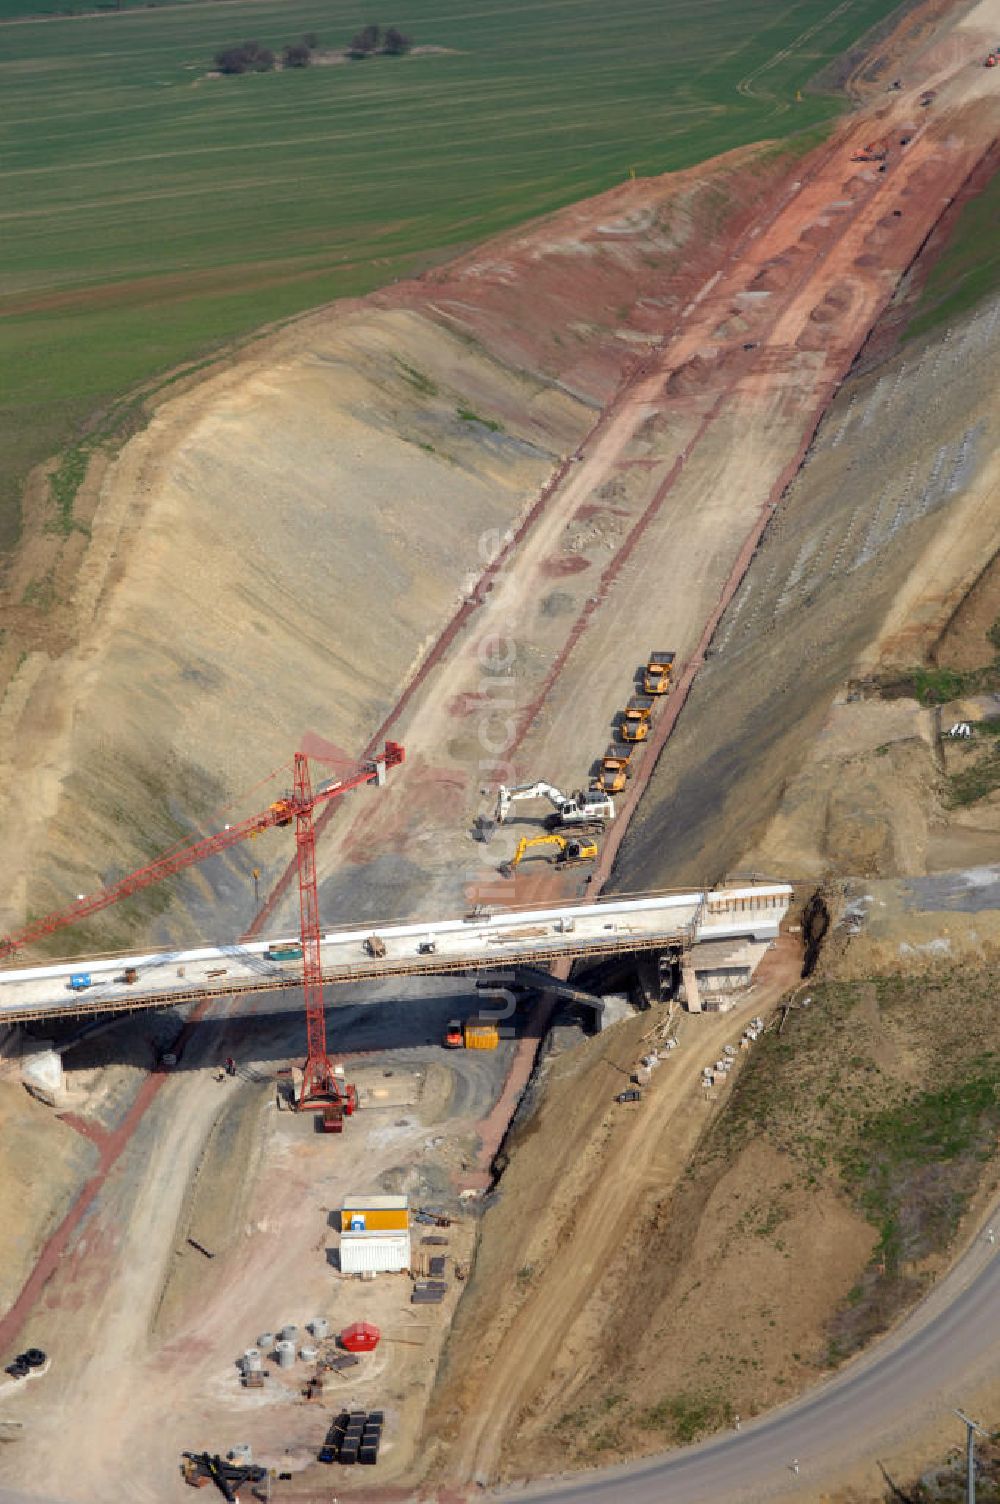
pixel 587 808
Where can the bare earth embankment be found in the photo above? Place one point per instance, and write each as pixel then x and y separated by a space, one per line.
pixel 775 766
pixel 758 1272
pixel 281 547
pixel 705 1257
pixel 276 552
pixel 300 546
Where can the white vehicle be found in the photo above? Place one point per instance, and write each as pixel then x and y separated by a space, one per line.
pixel 585 807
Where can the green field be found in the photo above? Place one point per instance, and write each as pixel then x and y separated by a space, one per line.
pixel 968 269
pixel 150 213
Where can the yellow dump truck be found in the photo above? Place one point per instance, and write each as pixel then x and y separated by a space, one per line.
pixel 614 770
pixel 635 718
pixel 656 676
pixel 481 1034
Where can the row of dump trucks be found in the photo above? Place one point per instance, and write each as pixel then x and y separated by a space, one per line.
pixel 634 722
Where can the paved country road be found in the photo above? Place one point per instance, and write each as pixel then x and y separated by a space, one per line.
pixel 932 1362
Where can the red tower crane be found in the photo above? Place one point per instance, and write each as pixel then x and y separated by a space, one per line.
pixel 319 1083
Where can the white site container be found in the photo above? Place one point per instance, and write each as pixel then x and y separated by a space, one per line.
pixel 374 1252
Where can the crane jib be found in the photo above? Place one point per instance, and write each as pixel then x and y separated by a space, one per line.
pixel 280 813
pixel 320 1083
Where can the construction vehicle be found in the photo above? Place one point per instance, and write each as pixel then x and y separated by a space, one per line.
pixel 656 675
pixel 571 852
pixel 615 769
pixel 286 950
pixel 320 1079
pixel 479 1034
pixel 873 152
pixel 454 1039
pixel 635 719
pixel 588 808
pixel 198 1469
pixel 991 61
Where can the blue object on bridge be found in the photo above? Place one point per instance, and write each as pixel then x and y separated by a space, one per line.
pixel 80 981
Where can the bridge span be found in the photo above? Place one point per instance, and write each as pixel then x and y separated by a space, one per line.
pixel 475 942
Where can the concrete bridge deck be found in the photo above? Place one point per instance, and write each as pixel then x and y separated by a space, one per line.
pixel 535 935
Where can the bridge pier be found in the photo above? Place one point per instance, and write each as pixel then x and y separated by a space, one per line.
pixel 689 985
pixel 34 1062
pixel 10 1049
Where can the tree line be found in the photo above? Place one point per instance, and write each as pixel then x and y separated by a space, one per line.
pixel 251 57
pixel 372 39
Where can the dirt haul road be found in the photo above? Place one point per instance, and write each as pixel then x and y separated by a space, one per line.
pixel 547 1339
pixel 685 465
pixel 144 1330
pixel 653 524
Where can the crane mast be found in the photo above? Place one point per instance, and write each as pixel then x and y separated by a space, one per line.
pixel 319 1081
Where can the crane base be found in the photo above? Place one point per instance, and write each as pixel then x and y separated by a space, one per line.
pixel 321 1088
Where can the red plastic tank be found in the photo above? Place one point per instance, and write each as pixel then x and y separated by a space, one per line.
pixel 360 1337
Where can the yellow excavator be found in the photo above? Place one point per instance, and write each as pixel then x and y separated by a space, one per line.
pixel 571 851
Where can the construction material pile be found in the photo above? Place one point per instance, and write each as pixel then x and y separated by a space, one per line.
pixel 227 1473
pixel 355 1436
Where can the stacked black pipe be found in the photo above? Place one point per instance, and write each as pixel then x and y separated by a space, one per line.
pixel 22 1365
pixel 354 1437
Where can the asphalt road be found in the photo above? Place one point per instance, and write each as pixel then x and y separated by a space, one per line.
pixel 931 1363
